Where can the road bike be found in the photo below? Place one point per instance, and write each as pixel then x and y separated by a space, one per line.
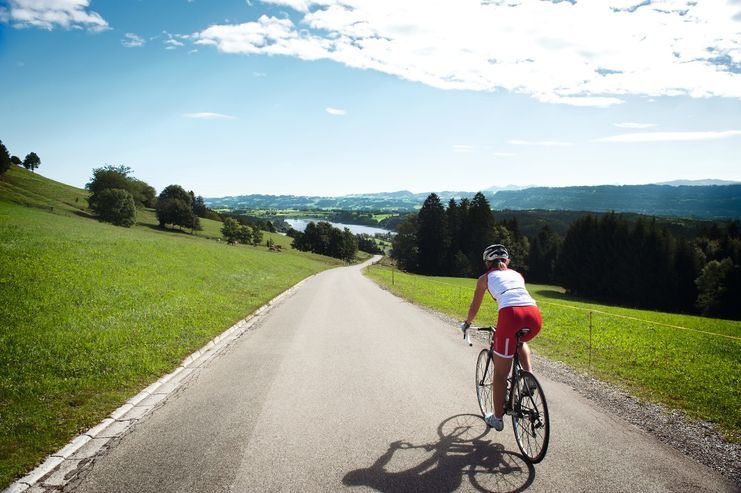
pixel 524 399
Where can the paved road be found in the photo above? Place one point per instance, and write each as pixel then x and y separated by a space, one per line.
pixel 345 386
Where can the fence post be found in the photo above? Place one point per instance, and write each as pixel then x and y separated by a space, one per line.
pixel 590 341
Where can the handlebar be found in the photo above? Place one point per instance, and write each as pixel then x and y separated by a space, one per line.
pixel 467 335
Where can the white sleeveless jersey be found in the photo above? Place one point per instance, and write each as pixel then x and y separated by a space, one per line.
pixel 508 288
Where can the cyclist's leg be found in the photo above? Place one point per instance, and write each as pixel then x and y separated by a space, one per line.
pixel 504 346
pixel 526 361
pixel 502 367
pixel 528 316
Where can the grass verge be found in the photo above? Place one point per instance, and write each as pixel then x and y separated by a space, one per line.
pixel 686 362
pixel 93 313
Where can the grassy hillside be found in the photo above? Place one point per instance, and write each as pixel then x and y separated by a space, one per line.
pixel 92 313
pixel 688 362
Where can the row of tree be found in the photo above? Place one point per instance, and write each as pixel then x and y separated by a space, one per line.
pixel 30 162
pixel 115 195
pixel 325 239
pixel 234 232
pixel 449 241
pixel 609 257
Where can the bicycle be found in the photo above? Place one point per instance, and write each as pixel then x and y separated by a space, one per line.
pixel 526 404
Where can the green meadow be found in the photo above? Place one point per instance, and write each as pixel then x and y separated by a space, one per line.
pixel 687 362
pixel 93 313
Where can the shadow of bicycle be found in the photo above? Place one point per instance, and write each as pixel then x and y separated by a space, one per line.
pixel 461 458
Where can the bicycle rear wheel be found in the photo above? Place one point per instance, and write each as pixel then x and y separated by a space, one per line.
pixel 484 380
pixel 530 418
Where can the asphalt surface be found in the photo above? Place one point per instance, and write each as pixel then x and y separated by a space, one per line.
pixel 345 386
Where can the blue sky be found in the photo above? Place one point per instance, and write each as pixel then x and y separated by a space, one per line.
pixel 356 96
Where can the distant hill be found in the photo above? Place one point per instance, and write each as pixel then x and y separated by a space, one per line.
pixel 695 183
pixel 387 201
pixel 653 200
pixel 698 201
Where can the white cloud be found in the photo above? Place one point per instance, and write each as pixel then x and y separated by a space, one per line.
pixel 47 14
pixel 542 143
pixel 504 154
pixel 634 125
pixel 463 148
pixel 131 40
pixel 174 41
pixel 335 111
pixel 670 136
pixel 209 116
pixel 585 53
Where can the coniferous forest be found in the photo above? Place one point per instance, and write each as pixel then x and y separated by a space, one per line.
pixel 615 258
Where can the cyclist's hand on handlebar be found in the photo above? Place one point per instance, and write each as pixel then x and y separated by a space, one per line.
pixel 464 326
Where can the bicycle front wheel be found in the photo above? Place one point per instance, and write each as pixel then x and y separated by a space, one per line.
pixel 530 418
pixel 484 380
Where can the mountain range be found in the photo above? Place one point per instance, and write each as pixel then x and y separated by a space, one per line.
pixel 706 199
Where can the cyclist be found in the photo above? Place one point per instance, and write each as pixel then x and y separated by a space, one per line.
pixel 517 310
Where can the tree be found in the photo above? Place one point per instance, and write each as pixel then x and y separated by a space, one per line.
pixel 5 161
pixel 404 245
pixel 256 236
pixel 712 286
pixel 120 177
pixel 32 161
pixel 16 160
pixel 544 250
pixel 479 231
pixel 174 207
pixel 432 236
pixel 324 239
pixel 199 206
pixel 143 193
pixel 116 206
pixel 230 230
pixel 244 234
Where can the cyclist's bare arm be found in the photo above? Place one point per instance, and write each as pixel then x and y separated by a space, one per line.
pixel 478 297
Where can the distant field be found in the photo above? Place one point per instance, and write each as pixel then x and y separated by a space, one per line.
pixel 690 363
pixel 92 313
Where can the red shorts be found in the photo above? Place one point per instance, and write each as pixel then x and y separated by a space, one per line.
pixel 512 319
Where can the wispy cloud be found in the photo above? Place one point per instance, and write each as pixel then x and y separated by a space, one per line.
pixel 463 148
pixel 174 41
pixel 542 143
pixel 209 116
pixel 48 14
pixel 131 40
pixel 670 136
pixel 581 53
pixel 504 154
pixel 634 125
pixel 259 74
pixel 335 111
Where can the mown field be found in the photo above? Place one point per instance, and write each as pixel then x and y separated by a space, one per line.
pixel 689 363
pixel 93 313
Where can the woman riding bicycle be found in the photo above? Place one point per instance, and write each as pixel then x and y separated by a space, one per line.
pixel 517 310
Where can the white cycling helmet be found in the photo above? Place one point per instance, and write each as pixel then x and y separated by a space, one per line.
pixel 495 252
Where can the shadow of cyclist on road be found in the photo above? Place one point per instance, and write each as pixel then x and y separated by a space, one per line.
pixel 460 456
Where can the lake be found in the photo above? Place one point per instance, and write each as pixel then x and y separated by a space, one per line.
pixel 300 225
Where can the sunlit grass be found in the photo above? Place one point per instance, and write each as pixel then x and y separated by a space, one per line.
pixel 92 313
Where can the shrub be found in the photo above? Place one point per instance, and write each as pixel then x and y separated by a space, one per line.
pixel 116 206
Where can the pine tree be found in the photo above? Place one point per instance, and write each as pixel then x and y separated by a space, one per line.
pixel 432 236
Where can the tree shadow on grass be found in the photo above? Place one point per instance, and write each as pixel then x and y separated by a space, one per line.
pixel 157 228
pixel 461 455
